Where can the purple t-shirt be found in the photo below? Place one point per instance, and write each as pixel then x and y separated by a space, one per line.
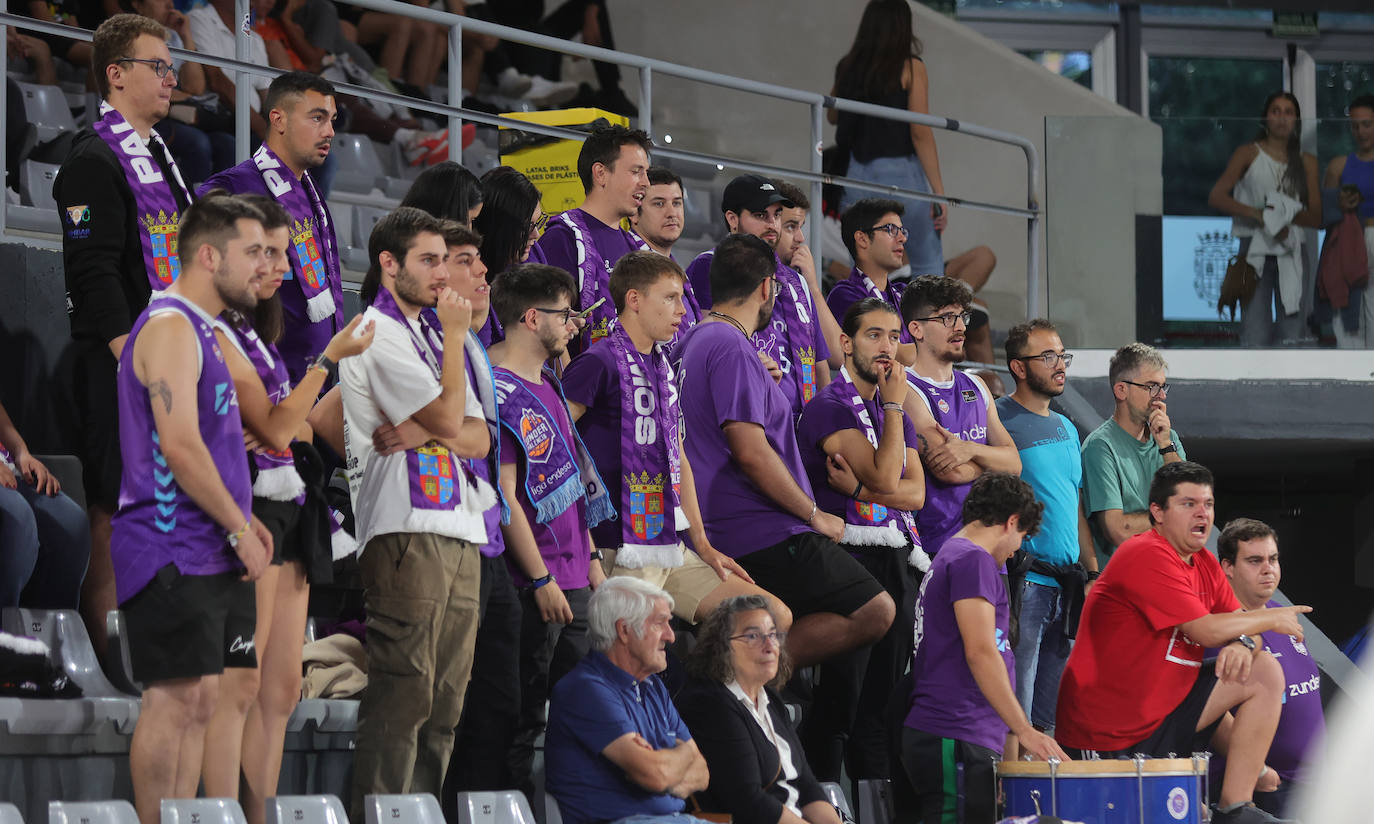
pixel 721 380
pixel 562 541
pixel 855 288
pixel 962 408
pixel 699 273
pixel 946 700
pixel 559 248
pixel 482 468
pixel 830 412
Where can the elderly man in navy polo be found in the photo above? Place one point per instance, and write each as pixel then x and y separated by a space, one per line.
pixel 617 750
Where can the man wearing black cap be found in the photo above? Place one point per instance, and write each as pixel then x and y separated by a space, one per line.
pixel 752 205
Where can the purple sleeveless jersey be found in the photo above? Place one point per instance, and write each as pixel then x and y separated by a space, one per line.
pixel 158 523
pixel 962 409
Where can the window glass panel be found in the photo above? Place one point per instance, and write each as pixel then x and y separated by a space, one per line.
pixel 1337 85
pixel 1075 65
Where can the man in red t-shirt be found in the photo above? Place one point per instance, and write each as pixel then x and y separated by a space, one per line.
pixel 1136 681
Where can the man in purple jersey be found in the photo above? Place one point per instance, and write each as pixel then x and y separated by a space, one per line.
pixel 183 531
pixel 660 216
pixel 956 421
pixel 1249 554
pixel 796 255
pixel 587 241
pixel 963 701
pixel 754 493
pixel 873 233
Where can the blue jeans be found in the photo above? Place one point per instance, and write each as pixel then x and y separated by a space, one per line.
pixel 923 249
pixel 46 544
pixel 1041 652
pixel 671 818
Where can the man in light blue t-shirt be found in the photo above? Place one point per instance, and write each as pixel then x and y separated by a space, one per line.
pixel 1062 553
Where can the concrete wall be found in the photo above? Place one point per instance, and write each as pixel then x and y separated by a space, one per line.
pixel 971 78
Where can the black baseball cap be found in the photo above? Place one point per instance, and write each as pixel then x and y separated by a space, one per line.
pixel 751 193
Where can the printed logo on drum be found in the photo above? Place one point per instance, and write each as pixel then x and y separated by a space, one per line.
pixel 1177 804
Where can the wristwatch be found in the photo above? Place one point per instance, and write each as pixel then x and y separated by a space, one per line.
pixel 543 582
pixel 1165 450
pixel 322 362
pixel 1247 641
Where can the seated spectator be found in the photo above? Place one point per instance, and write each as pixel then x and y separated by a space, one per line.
pixel 448 191
pixel 796 255
pixel 1137 681
pixel 212 30
pixel 45 536
pixel 874 235
pixel 617 750
pixel 587 18
pixel 1121 456
pixel 74 13
pixel 510 222
pixel 962 704
pixel 974 267
pixel 1249 555
pixel 35 50
pixel 660 215
pixel 759 774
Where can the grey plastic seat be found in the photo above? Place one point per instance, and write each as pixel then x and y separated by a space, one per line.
pixel 552 815
pixel 63 632
pixel 359 165
pixel 306 809
pixel 46 108
pixel 420 808
pixel 834 794
pixel 874 801
pixel 121 672
pixel 9 814
pixel 502 807
pixel 91 812
pixel 201 811
pixel 32 219
pixel 35 184
pixel 364 219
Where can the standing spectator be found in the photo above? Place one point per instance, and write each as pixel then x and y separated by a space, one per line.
pixel 1136 682
pixel 447 191
pixel 661 213
pixel 624 401
pixel 860 452
pixel 759 774
pixel 300 108
pixel 874 235
pixel 796 255
pixel 510 222
pixel 46 537
pixel 1122 454
pixel 956 421
pixel 756 498
pixel 419 511
pixel 617 748
pixel 884 67
pixel 587 241
pixel 1354 174
pixel 1063 561
pixel 1269 189
pixel 963 704
pixel 184 531
pixel 791 339
pixel 546 468
pixel 120 202
pixel 1249 555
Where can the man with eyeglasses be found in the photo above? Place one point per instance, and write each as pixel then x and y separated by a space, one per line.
pixel 792 341
pixel 119 198
pixel 1121 456
pixel 873 233
pixel 960 433
pixel 1050 592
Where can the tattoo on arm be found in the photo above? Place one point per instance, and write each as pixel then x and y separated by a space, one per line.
pixel 925 445
pixel 162 391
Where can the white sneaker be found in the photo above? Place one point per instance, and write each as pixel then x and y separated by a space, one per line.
pixel 511 83
pixel 544 92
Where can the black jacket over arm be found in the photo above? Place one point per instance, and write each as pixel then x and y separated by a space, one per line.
pixel 741 758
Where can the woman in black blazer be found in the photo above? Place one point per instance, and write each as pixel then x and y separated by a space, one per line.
pixel 759 773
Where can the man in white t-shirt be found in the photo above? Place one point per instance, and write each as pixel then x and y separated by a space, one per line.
pixel 212 27
pixel 418 509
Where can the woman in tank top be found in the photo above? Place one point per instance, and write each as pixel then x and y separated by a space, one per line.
pixel 1356 170
pixel 1273 174
pixel 884 67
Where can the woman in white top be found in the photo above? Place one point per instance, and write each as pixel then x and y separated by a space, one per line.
pixel 1269 189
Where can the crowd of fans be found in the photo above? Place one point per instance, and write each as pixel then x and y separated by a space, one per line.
pixel 558 442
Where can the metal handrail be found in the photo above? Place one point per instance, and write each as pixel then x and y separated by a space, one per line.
pixel 646 66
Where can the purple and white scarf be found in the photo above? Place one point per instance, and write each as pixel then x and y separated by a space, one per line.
pixel 872 524
pixel 157 210
pixel 314 258
pixel 565 472
pixel 691 318
pixel 650 456
pixel 794 327
pixel 593 274
pixel 277 478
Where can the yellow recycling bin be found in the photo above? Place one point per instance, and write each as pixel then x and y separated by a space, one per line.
pixel 549 162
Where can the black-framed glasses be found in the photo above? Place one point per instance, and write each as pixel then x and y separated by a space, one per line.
pixel 1049 358
pixel 950 319
pixel 161 68
pixel 894 231
pixel 1153 388
pixel 566 313
pixel 537 225
pixel 754 638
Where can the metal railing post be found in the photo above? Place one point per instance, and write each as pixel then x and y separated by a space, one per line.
pixel 455 91
pixel 646 100
pixel 1033 287
pixel 243 112
pixel 817 215
pixel 4 102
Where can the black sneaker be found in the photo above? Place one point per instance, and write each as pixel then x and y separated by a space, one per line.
pixel 1246 814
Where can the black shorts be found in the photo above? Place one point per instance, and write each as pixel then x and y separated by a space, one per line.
pixel 1177 735
pixel 186 626
pixel 97 412
pixel 953 780
pixel 282 519
pixel 811 573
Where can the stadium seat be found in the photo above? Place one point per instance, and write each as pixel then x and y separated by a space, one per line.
pixel 364 218
pixel 552 815
pixel 201 811
pixel 116 811
pixel 67 470
pixel 874 801
pixel 121 668
pixel 835 795
pixel 420 808
pixel 32 219
pixel 46 109
pixel 35 184
pixel 502 807
pixel 9 814
pixel 65 634
pixel 359 165
pixel 306 809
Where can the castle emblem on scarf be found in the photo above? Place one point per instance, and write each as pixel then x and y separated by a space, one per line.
pixel 873 513
pixel 307 253
pixel 162 230
pixel 646 505
pixel 808 373
pixel 436 473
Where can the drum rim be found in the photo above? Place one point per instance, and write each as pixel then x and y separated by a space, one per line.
pixel 1151 767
